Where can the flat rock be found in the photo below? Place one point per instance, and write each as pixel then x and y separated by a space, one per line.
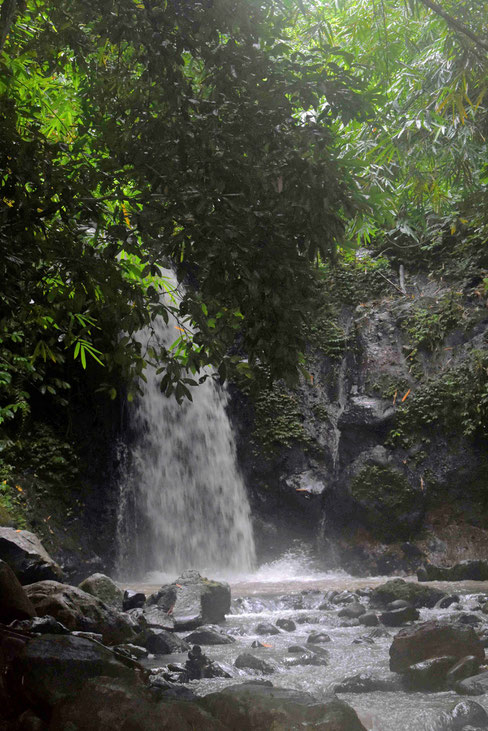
pixel 432 640
pixel 78 610
pixel 53 667
pixel 415 594
pixel 209 636
pixel 27 557
pixel 253 707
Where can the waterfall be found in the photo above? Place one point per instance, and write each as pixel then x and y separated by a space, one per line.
pixel 183 503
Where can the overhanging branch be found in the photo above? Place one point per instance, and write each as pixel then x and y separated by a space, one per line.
pixel 456 24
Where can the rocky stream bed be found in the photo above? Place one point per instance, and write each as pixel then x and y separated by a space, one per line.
pixel 277 650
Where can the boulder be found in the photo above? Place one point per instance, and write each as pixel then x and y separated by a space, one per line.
pixel 107 703
pixel 152 616
pixel 433 639
pixel 53 667
pixel 253 707
pixel 416 595
pixel 193 600
pixel 42 625
pixel 200 666
pixel 464 668
pixel 104 588
pixel 159 641
pixel 308 658
pixel 476 570
pixel 27 557
pixel 14 602
pixel 447 601
pixel 133 600
pixel 466 714
pixel 398 617
pixel 286 624
pixel 317 638
pixel 369 619
pixel 209 636
pixel 78 610
pixel 366 683
pixel 352 611
pixel 474 685
pixel 429 675
pixel 266 628
pixel 246 661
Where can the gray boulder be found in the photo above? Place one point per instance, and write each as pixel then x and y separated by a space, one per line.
pixel 27 557
pixel 160 642
pixel 78 610
pixel 14 602
pixel 209 636
pixel 465 714
pixel 398 617
pixel 429 675
pixel 434 639
pixel 104 588
pixel 414 594
pixel 53 667
pixel 193 600
pixel 367 683
pixel 246 661
pixel 266 628
pixel 253 707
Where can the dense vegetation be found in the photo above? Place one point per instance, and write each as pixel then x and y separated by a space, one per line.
pixel 241 144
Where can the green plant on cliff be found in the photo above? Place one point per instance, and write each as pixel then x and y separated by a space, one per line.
pixel 278 421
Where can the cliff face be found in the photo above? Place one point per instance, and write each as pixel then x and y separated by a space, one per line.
pixel 379 456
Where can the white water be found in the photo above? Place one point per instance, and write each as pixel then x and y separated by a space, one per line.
pixel 183 503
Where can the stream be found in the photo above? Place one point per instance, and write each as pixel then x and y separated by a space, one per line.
pixel 292 588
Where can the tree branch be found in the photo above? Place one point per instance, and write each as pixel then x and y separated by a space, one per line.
pixel 456 24
pixel 6 19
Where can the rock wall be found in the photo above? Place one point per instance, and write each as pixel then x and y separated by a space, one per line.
pixel 378 456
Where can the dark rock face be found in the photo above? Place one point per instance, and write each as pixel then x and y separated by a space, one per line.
pixel 42 625
pixel 14 602
pixel 160 642
pixel 27 557
pixel 250 707
pixel 415 595
pixel 78 610
pixel 431 640
pixel 54 667
pixel 193 600
pixel 104 588
pixel 464 571
pixel 133 600
pixel 429 675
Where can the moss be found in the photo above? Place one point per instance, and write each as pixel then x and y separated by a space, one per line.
pixel 278 421
pixel 386 496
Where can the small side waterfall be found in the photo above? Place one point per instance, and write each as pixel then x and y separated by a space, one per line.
pixel 182 503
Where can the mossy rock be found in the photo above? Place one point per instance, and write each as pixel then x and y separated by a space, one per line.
pixel 416 594
pixel 387 503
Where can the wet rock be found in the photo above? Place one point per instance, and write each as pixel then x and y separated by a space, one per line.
pixel 433 639
pixel 429 675
pixel 350 623
pixel 464 715
pixel 133 600
pixel 252 707
pixel 352 611
pixel 369 619
pixel 106 704
pixel 305 619
pixel 209 636
pixel 307 658
pixel 95 636
pixel 14 602
pixel 266 628
pixel 256 643
pixel 464 571
pixel 159 641
pixel 42 626
pixel 200 666
pixel 78 610
pixel 104 588
pixel 417 596
pixel 344 597
pixel 465 618
pixel 297 648
pixel 135 651
pixel 193 600
pixel 27 557
pixel 464 668
pixel 447 601
pixel 286 624
pixel 474 685
pixel 366 683
pixel 397 604
pixel 152 616
pixel 53 667
pixel 246 661
pixel 317 638
pixel 398 617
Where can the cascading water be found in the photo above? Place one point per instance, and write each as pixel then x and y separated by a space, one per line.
pixel 183 503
